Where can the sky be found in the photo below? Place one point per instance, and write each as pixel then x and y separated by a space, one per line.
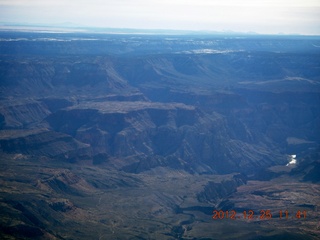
pixel 261 16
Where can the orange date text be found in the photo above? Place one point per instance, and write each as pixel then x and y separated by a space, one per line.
pixel 258 215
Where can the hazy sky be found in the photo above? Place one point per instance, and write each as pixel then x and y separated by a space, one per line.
pixel 262 16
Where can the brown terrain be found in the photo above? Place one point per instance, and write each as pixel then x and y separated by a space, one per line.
pixel 141 137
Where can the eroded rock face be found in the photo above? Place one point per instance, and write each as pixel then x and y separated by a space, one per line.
pixel 21 114
pixel 214 192
pixel 44 143
pixel 177 135
pixel 61 205
pixel 183 106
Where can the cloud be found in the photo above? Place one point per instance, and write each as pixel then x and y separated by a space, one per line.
pixel 246 15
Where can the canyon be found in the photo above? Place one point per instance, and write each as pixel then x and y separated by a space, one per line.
pixel 143 136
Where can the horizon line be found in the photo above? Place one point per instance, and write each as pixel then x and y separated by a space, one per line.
pixel 69 27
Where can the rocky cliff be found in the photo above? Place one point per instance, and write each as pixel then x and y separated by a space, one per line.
pixel 199 111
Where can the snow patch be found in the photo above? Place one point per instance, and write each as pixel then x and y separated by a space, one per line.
pixel 292 159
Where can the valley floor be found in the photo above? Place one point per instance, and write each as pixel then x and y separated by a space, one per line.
pixel 41 199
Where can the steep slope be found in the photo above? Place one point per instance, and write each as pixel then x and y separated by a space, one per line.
pixel 43 143
pixel 244 98
pixel 156 134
